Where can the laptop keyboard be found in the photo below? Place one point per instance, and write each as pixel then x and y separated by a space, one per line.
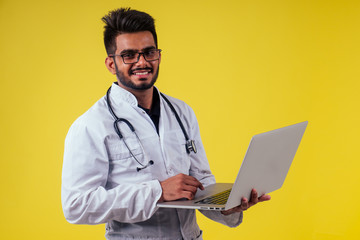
pixel 219 198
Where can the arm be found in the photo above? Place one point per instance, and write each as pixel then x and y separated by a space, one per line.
pixel 86 196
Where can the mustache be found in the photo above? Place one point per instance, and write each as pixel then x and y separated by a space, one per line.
pixel 139 69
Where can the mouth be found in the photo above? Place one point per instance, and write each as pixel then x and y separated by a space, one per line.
pixel 141 71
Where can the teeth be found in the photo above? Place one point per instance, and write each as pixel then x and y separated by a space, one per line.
pixel 141 73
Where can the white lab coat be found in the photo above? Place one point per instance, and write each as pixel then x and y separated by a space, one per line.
pixel 100 183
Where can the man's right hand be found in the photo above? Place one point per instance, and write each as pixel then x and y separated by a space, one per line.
pixel 179 186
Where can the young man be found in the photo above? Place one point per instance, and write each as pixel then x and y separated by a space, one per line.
pixel 128 152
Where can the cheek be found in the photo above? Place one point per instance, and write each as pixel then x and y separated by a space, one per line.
pixel 155 66
pixel 125 70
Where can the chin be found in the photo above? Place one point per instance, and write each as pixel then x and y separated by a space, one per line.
pixel 136 84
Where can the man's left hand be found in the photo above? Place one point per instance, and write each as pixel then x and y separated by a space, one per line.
pixel 245 204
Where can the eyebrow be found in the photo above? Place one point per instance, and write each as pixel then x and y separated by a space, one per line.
pixel 136 50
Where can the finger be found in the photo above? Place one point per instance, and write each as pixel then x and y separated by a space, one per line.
pixel 254 197
pixel 194 182
pixel 189 180
pixel 188 195
pixel 189 188
pixel 244 204
pixel 264 198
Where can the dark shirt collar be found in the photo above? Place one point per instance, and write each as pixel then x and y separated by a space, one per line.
pixel 154 112
pixel 155 106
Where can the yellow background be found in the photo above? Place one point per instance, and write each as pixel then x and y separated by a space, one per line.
pixel 245 67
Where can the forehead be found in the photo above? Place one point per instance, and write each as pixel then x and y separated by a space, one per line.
pixel 138 41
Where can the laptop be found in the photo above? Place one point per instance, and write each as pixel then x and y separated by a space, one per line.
pixel 265 166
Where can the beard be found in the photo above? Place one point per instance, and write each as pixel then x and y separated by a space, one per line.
pixel 131 85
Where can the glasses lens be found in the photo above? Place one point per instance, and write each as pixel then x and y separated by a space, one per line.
pixel 151 55
pixel 130 57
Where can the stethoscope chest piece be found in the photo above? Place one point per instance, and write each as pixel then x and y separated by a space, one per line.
pixel 190 146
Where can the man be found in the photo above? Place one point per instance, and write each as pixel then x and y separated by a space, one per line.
pixel 127 152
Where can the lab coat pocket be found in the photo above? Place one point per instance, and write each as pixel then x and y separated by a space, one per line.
pixel 123 150
pixel 126 155
pixel 123 165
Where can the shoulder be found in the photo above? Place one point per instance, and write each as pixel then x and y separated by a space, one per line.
pixel 93 121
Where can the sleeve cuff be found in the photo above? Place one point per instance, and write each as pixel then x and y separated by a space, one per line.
pixel 157 189
pixel 233 220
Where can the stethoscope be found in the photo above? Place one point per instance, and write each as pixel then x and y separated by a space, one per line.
pixel 189 144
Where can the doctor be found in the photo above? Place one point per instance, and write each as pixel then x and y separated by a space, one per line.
pixel 128 151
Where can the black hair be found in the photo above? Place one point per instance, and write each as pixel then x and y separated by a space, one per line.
pixel 125 20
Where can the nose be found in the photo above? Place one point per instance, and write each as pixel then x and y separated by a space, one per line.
pixel 141 61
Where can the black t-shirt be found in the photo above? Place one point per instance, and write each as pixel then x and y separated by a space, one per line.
pixel 154 112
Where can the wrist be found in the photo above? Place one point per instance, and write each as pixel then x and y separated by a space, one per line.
pixel 161 199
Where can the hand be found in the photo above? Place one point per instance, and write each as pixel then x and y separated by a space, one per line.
pixel 245 204
pixel 179 186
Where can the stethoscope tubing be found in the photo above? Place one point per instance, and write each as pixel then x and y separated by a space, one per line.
pixel 190 144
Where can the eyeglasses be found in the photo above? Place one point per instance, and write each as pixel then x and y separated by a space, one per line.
pixel 133 57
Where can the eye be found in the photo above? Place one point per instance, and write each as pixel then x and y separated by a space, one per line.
pixel 129 55
pixel 150 53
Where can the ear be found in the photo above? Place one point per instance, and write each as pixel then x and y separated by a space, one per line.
pixel 109 62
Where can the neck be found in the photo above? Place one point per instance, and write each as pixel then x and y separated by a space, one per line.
pixel 144 97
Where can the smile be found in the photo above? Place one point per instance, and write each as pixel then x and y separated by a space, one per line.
pixel 141 72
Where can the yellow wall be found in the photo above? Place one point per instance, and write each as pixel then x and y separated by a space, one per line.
pixel 244 66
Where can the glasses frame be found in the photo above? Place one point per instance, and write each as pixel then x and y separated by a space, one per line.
pixel 138 58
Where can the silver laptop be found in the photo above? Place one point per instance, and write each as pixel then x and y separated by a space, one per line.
pixel 265 166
